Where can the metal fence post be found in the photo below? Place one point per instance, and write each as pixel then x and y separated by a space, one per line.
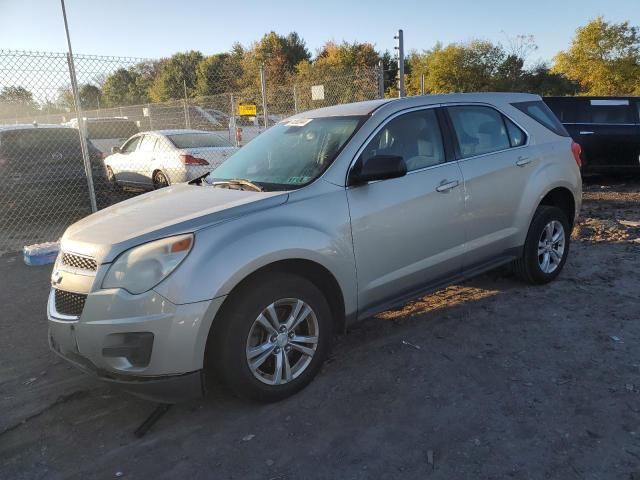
pixel 187 120
pixel 295 99
pixel 263 87
pixel 81 124
pixel 232 123
pixel 380 80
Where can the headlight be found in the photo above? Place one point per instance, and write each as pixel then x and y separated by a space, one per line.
pixel 142 268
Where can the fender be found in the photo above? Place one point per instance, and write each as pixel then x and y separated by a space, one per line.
pixel 315 229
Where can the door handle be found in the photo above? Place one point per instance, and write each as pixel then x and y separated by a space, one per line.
pixel 445 187
pixel 586 133
pixel 522 161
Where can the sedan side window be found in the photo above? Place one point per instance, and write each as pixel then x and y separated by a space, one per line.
pixel 478 130
pixel 131 145
pixel 413 136
pixel 148 143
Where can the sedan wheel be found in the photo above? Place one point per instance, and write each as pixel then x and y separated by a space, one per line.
pixel 160 180
pixel 282 341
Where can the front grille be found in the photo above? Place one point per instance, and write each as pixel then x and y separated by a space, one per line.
pixel 68 303
pixel 77 261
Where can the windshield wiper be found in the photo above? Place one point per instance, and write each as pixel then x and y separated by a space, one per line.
pixel 240 182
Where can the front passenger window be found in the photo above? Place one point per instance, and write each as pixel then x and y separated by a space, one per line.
pixel 479 130
pixel 131 145
pixel 413 136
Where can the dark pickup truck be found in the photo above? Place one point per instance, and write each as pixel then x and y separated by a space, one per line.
pixel 607 129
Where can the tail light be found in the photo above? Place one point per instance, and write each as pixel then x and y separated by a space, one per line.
pixel 576 149
pixel 191 160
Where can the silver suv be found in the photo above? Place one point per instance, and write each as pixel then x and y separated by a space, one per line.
pixel 328 217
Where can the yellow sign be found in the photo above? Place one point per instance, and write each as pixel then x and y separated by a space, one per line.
pixel 247 110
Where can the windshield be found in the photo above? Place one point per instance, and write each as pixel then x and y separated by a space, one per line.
pixel 198 140
pixel 290 154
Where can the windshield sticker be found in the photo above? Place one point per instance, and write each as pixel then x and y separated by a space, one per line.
pixel 298 122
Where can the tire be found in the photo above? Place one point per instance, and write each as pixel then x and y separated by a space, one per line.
pixel 111 178
pixel 531 266
pixel 160 180
pixel 238 335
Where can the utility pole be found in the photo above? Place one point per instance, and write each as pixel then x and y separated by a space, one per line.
pixel 400 47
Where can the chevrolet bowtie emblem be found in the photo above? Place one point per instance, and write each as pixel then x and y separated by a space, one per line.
pixel 56 278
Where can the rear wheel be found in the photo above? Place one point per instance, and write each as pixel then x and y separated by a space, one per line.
pixel 271 337
pixel 160 180
pixel 546 247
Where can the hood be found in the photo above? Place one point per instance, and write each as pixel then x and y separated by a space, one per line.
pixel 170 211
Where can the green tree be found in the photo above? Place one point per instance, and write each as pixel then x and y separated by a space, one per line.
pixel 16 101
pixel 129 86
pixel 604 58
pixel 176 72
pixel 89 96
pixel 219 73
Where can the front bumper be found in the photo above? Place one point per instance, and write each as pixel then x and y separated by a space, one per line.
pixel 98 341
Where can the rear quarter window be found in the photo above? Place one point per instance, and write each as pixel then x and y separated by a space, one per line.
pixel 541 113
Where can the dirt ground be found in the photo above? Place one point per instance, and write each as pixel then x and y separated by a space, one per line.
pixel 489 379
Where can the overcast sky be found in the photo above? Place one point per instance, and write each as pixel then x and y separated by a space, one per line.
pixel 148 28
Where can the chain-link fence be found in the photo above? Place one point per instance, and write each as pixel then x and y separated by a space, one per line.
pixel 147 125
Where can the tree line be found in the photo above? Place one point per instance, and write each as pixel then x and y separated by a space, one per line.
pixel 602 59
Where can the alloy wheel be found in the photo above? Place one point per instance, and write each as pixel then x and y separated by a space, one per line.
pixel 282 341
pixel 551 246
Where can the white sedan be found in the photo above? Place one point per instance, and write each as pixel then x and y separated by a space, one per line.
pixel 159 158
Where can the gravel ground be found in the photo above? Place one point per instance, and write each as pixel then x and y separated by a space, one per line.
pixel 487 379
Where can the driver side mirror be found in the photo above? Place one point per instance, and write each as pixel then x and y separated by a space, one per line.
pixel 115 149
pixel 380 167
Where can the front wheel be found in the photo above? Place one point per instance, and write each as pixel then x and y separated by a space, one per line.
pixel 111 178
pixel 546 247
pixel 271 337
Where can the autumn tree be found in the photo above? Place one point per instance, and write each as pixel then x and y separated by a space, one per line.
pixel 604 58
pixel 176 74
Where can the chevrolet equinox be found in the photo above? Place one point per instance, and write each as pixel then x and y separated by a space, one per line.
pixel 328 217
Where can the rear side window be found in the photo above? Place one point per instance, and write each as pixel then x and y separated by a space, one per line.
pixel 539 111
pixel 611 111
pixel 479 130
pixel 516 136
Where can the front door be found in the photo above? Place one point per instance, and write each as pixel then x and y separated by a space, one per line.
pixel 408 232
pixel 124 162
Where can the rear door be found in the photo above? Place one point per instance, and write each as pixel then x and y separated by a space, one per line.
pixel 496 165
